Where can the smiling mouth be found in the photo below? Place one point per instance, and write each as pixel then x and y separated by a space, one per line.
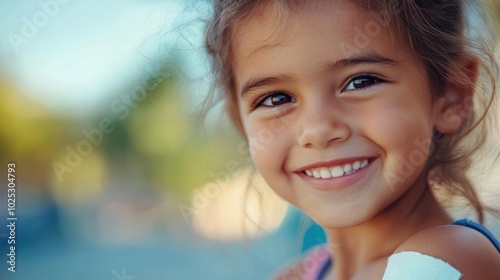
pixel 337 170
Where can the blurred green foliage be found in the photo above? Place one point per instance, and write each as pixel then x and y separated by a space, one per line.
pixel 153 142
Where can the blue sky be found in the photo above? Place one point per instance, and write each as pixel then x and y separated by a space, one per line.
pixel 84 50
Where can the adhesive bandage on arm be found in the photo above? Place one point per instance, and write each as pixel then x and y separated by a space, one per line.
pixel 417 266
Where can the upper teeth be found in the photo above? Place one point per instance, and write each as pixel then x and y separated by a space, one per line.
pixel 336 171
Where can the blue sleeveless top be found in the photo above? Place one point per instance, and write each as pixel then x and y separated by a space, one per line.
pixel 481 229
pixel 462 222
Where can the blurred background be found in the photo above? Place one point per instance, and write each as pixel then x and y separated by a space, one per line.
pixel 116 176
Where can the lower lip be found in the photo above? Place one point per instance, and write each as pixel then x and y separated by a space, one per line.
pixel 335 183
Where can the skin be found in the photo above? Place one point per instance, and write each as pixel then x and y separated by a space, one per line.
pixel 320 118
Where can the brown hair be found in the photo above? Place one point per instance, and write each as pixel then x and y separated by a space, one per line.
pixel 440 35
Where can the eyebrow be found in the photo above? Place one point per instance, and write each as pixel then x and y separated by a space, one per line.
pixel 258 82
pixel 353 61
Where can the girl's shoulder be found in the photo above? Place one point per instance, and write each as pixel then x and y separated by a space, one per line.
pixel 312 266
pixel 465 245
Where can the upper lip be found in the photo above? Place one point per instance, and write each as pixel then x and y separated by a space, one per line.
pixel 334 162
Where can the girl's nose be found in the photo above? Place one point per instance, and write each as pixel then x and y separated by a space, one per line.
pixel 322 124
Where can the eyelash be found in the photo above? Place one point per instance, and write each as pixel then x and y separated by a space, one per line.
pixel 376 79
pixel 259 103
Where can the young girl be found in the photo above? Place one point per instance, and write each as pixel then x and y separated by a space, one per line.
pixel 360 112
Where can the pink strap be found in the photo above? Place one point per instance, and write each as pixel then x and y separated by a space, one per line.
pixel 309 268
pixel 315 262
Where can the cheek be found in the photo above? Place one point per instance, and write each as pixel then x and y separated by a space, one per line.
pixel 403 121
pixel 404 134
pixel 266 146
pixel 404 128
pixel 267 138
pixel 269 144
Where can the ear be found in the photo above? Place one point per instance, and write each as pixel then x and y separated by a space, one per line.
pixel 455 105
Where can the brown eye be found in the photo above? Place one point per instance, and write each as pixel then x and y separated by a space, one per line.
pixel 361 82
pixel 275 99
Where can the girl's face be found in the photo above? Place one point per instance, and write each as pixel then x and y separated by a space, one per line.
pixel 338 118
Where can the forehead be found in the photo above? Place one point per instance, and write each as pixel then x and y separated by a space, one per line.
pixel 329 29
pixel 270 24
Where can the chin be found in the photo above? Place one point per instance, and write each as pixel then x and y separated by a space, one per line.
pixel 341 219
